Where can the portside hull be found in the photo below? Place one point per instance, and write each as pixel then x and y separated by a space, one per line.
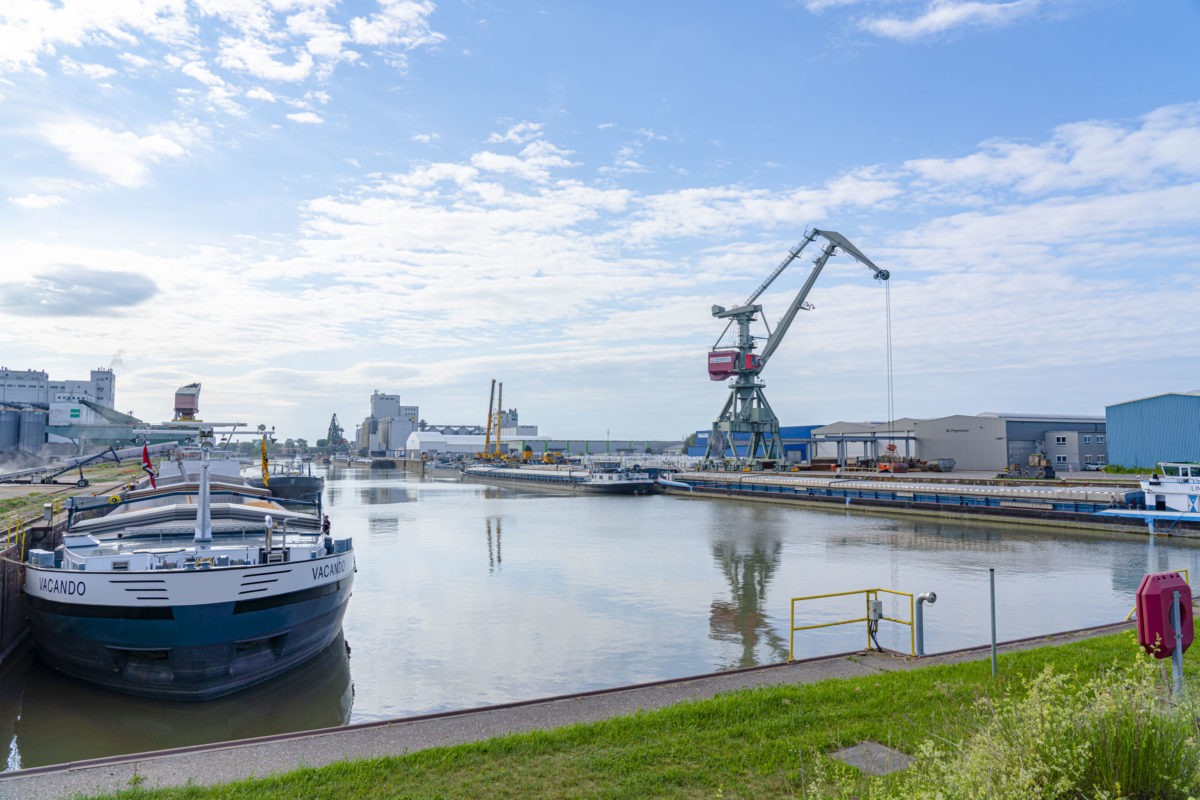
pixel 188 652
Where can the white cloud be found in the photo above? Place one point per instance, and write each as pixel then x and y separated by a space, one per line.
pixel 134 60
pixel 398 22
pixel 943 15
pixel 425 138
pixel 259 93
pixel 306 117
pixel 32 28
pixel 121 157
pixel 197 70
pixel 518 134
pixel 94 71
pixel 1079 155
pixel 37 200
pixel 259 59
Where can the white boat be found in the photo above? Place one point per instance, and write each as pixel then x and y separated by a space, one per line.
pixel 189 591
pixel 1172 497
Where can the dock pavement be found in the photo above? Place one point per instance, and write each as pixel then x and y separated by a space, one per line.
pixel 205 765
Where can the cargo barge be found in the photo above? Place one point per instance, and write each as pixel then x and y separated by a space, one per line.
pixel 580 481
pixel 1089 507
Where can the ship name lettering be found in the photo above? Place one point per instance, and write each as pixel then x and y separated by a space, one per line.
pixel 329 570
pixel 59 586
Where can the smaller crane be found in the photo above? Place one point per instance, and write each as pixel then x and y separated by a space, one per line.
pixel 491 450
pixel 334 438
pixel 747 409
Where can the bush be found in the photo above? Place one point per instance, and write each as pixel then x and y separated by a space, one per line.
pixel 1117 736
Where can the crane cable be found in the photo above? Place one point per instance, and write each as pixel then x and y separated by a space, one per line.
pixel 891 406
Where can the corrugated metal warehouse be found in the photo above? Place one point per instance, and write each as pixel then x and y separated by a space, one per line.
pixel 1164 427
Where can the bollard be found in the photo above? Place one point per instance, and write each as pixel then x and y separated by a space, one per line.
pixel 928 597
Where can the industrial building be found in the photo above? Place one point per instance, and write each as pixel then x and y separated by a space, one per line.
pixel 386 431
pixel 987 442
pixel 34 408
pixel 1144 432
pixel 993 441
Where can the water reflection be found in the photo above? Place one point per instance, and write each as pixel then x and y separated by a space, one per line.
pixel 377 524
pixel 494 556
pixel 748 562
pixel 49 719
pixel 384 495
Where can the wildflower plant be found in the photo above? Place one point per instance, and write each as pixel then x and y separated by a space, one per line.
pixel 1117 735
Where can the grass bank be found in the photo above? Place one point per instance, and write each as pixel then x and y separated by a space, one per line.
pixel 769 742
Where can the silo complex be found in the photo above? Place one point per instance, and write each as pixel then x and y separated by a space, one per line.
pixel 10 428
pixel 32 430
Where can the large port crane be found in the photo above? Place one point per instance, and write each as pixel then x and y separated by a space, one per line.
pixel 747 410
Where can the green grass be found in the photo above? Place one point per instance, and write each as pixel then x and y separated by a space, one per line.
pixel 768 742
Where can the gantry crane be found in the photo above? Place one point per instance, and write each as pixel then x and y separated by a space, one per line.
pixel 747 410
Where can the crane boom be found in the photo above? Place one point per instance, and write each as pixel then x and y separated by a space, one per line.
pixel 836 240
pixel 792 255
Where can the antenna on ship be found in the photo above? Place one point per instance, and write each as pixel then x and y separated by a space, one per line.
pixel 203 517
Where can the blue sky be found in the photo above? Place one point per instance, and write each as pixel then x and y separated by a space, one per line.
pixel 297 202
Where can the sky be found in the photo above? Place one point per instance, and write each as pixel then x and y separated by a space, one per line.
pixel 299 202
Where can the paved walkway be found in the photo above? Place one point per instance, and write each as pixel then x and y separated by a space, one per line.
pixel 230 761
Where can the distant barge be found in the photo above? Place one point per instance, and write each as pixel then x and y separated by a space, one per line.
pixel 1047 504
pixel 564 480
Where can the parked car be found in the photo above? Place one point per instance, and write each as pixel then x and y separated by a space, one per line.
pixel 1094 467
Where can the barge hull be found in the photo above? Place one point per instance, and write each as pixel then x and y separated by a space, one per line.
pixel 191 652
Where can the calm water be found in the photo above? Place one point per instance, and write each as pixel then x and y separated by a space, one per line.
pixel 468 595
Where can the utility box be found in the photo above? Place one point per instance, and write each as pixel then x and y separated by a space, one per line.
pixel 1154 597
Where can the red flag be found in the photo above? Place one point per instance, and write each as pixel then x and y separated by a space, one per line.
pixel 147 467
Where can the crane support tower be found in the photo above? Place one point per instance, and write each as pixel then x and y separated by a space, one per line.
pixel 747 410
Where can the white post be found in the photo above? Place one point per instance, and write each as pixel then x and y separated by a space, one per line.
pixel 992 581
pixel 203 515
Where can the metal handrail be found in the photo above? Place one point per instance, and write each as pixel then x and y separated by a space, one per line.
pixel 15 534
pixel 1186 579
pixel 868 595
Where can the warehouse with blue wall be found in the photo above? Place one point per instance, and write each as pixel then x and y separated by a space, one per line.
pixel 795 442
pixel 1166 427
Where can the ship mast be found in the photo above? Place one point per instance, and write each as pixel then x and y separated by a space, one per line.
pixel 203 515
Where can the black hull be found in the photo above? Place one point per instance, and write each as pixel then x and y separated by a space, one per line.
pixel 204 652
pixel 293 487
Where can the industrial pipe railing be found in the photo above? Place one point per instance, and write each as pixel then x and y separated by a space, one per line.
pixel 874 615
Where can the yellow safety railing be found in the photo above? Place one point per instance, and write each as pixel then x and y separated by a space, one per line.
pixel 869 595
pixel 1186 579
pixel 15 534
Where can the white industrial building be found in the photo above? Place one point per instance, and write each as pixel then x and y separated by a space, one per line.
pixel 989 441
pixel 386 431
pixel 59 403
pixel 432 443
